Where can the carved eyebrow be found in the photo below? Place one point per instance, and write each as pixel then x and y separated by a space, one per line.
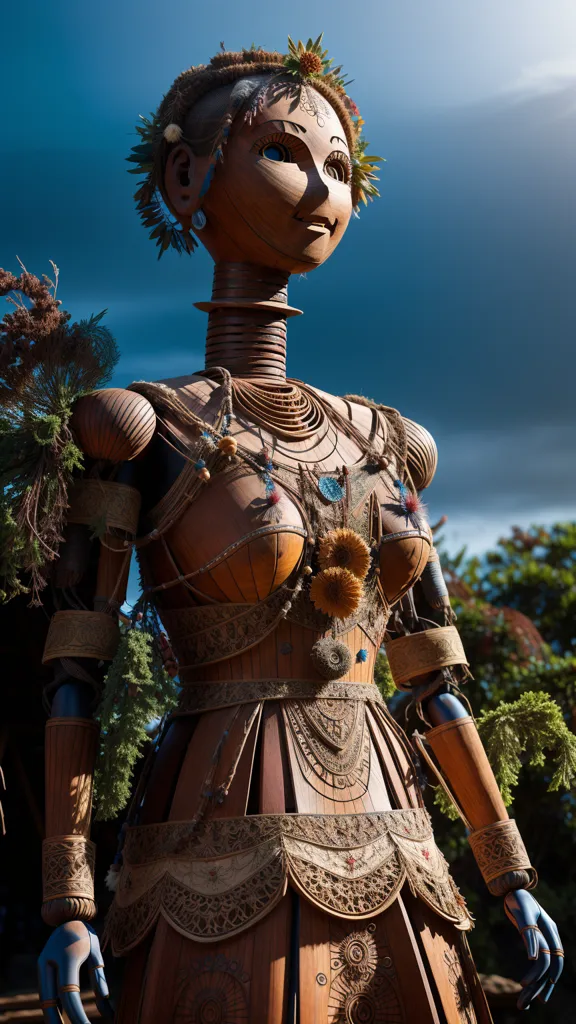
pixel 284 125
pixel 336 138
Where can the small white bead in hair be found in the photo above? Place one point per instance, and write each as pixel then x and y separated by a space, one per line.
pixel 173 133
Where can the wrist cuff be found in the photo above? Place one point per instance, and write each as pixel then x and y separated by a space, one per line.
pixel 499 849
pixel 68 868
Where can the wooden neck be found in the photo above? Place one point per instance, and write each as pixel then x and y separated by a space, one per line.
pixel 247 320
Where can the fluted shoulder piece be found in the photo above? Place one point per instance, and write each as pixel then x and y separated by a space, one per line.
pixel 113 424
pixel 422 454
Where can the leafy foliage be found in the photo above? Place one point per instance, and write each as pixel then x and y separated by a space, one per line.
pixel 45 365
pixel 165 232
pixel 383 677
pixel 516 616
pixel 295 59
pixel 136 692
pixel 528 726
pixel 364 175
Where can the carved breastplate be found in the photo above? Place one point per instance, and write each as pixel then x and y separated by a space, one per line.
pixel 231 546
pixel 226 539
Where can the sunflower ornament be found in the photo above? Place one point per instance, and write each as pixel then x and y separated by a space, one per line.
pixel 346 549
pixel 336 592
pixel 344 559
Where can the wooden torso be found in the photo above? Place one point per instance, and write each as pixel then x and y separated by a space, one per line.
pixel 230 553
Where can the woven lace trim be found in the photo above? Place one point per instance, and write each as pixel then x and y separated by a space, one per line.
pixel 198 697
pixel 215 879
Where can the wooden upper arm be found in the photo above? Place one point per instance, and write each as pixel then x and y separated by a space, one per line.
pixel 422 454
pixel 113 424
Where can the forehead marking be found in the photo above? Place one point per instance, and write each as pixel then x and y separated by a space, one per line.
pixel 283 123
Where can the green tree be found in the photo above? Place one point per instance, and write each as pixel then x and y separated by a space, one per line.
pixel 516 610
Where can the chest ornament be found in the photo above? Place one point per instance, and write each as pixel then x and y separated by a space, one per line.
pixel 331 658
pixel 344 558
pixel 330 488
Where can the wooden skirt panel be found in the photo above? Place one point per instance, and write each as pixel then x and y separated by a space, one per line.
pixel 300 966
pixel 272 758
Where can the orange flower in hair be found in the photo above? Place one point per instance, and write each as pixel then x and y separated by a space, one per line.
pixel 336 591
pixel 346 549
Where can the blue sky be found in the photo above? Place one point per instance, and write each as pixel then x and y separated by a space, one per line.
pixel 453 296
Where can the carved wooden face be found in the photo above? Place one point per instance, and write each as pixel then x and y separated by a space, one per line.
pixel 281 197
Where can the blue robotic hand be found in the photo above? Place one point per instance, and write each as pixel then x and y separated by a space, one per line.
pixel 69 946
pixel 543 945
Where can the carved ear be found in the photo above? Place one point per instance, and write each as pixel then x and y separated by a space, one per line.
pixel 183 178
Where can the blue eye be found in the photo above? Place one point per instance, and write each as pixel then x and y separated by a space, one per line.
pixel 274 151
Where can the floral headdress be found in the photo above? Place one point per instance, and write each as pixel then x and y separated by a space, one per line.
pixel 317 79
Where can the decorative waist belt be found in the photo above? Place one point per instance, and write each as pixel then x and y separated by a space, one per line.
pixel 218 878
pixel 197 697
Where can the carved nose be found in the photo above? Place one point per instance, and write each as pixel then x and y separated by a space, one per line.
pixel 317 192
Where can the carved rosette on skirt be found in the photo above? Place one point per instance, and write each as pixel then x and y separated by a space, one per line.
pixel 363 985
pixel 331 741
pixel 216 879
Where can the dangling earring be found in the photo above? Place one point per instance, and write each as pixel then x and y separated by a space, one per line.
pixel 198 220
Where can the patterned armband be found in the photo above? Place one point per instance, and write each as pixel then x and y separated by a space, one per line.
pixel 499 851
pixel 68 879
pixel 92 501
pixel 419 653
pixel 81 634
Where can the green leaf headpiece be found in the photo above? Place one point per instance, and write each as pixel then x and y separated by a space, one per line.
pixel 308 63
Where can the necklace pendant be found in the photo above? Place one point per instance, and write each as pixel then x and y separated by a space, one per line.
pixel 330 488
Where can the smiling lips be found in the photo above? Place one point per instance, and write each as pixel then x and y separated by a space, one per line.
pixel 315 220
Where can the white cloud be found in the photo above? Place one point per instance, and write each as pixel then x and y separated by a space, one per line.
pixel 545 77
pixel 480 533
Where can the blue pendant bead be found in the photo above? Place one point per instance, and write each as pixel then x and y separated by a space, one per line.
pixel 330 488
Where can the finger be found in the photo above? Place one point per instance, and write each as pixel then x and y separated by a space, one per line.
pixel 47 991
pixel 528 995
pixel 539 970
pixel 553 943
pixel 98 978
pixel 530 933
pixel 532 991
pixel 70 998
pixel 549 930
pixel 546 991
pixel 101 992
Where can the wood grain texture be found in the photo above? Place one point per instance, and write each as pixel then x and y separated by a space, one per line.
pixel 422 454
pixel 462 758
pixel 402 561
pixel 248 558
pixel 397 768
pixel 455 978
pixel 112 577
pixel 113 424
pixel 70 755
pixel 243 981
pixel 274 778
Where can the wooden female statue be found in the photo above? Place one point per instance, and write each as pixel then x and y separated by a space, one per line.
pixel 278 864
